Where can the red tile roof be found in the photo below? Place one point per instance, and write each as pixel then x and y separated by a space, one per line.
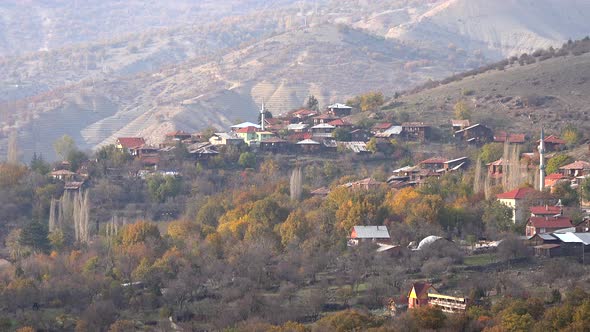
pixel 246 130
pixel 383 125
pixel 326 116
pixel 519 193
pixel 131 142
pixel 544 222
pixel 304 112
pixel 339 123
pixel 554 176
pixel 299 136
pixel 499 162
pixel 553 139
pixel 545 210
pixel 578 164
pixel 502 136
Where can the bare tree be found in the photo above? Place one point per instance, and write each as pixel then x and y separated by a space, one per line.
pixel 296 184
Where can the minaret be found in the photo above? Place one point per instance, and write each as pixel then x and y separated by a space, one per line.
pixel 542 161
pixel 262 116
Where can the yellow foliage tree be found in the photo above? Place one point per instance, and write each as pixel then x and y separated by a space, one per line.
pixel 138 232
pixel 181 229
pixel 462 111
pixel 400 201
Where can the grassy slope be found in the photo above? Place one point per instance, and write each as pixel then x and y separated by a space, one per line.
pixel 563 81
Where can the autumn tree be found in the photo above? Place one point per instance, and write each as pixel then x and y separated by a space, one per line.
pixel 371 101
pixel 462 111
pixel 428 317
pixel 138 232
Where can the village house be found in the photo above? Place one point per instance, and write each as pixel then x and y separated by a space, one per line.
pixel 476 134
pixel 546 211
pixel 324 118
pixel 456 164
pixel 364 184
pixel 274 144
pixel 515 199
pixel 339 110
pixel 302 115
pixel 368 233
pixel 226 139
pixel 248 134
pixel 553 179
pixel 309 146
pixel 575 169
pixel 63 174
pixel 129 143
pixel 503 137
pixel 202 151
pixel 553 143
pixel 321 192
pixel 391 132
pixel 415 131
pixel 546 224
pixel 177 136
pixel 424 294
pixel 297 127
pixel 340 123
pixel 381 127
pixel 496 169
pixel 244 125
pixel 322 130
pixel 434 163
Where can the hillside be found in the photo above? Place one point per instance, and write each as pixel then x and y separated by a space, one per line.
pixel 497 28
pixel 331 62
pixel 156 73
pixel 29 26
pixel 549 93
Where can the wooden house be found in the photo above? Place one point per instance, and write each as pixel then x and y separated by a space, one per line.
pixel 177 135
pixel 309 146
pixel 476 134
pixel 324 118
pixel 339 110
pixel 575 169
pixel 360 135
pixel 322 130
pixel 546 211
pixel 553 143
pixel 274 144
pixel 503 137
pixel 63 174
pixel 415 131
pixel 434 163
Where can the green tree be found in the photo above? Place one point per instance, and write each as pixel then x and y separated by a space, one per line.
pixel 491 152
pixel 556 162
pixel 497 216
pixel 35 235
pixel 247 160
pixel 312 103
pixel 341 134
pixel 39 165
pixel 64 145
pixel 162 187
pixel 585 189
pixel 568 195
pixel 462 111
pixel 571 135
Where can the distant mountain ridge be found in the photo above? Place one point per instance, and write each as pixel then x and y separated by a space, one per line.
pixel 215 73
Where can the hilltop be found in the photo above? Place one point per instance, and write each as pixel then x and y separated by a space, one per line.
pixel 548 93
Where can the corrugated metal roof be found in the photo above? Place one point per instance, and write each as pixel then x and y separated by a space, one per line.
pixel 371 232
